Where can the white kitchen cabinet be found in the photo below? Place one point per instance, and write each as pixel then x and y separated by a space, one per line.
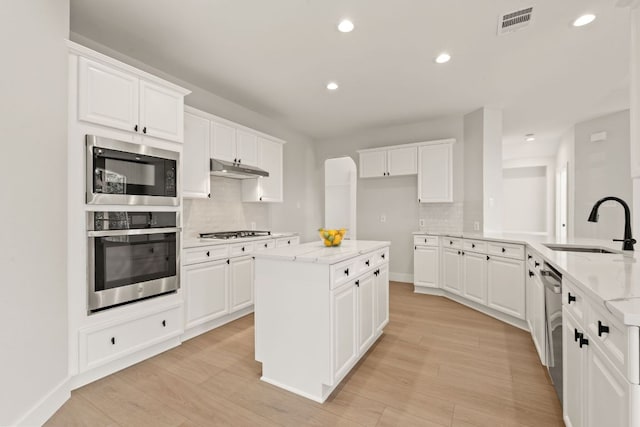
pixel 195 156
pixel 474 277
pixel 241 282
pixel 110 96
pixel 607 394
pixel 266 189
pixel 382 298
pixel 506 286
pixel 107 96
pixel 389 162
pixel 573 362
pixel 425 266
pixel 207 291
pixel 234 144
pixel 435 173
pixel 451 270
pixel 344 329
pixel 366 295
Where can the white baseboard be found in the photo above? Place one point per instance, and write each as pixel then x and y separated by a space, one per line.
pixel 47 406
pixel 194 331
pixel 401 277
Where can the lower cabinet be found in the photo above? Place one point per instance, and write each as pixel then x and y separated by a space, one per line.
pixel 241 282
pixel 506 287
pixel 535 312
pixel 206 288
pixel 451 262
pixel 607 395
pixel 425 262
pixel 345 328
pixel 366 311
pixel 381 285
pixel 474 276
pixel 573 362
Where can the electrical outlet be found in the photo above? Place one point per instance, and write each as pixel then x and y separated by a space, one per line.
pixel 253 225
pixel 476 226
pixel 383 218
pixel 421 222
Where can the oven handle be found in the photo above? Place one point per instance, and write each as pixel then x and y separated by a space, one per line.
pixel 137 232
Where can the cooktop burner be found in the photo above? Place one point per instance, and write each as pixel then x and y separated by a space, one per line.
pixel 234 234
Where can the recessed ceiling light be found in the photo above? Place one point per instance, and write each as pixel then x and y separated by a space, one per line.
pixel 332 85
pixel 584 20
pixel 443 57
pixel 529 137
pixel 345 26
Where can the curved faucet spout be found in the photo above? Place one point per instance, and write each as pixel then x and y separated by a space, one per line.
pixel 628 241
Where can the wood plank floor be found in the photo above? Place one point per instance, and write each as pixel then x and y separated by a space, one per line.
pixel 437 364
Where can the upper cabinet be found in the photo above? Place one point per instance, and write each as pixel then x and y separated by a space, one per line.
pixel 234 145
pixel 435 173
pixel 388 162
pixel 125 98
pixel 207 136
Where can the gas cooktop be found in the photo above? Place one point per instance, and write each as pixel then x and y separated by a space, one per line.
pixel 225 235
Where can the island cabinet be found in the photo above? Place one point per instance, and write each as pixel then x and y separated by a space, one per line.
pixel 318 311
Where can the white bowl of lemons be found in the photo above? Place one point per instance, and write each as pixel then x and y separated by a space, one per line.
pixel 331 237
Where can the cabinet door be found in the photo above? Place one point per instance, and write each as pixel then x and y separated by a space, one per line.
pixel 366 311
pixel 206 287
pixel 425 266
pixel 474 277
pixel 241 282
pixel 271 161
pixel 344 329
pixel 451 270
pixel 195 157
pixel 382 298
pixel 505 283
pixel 402 161
pixel 373 164
pixel 161 112
pixel 529 301
pixel 107 96
pixel 247 147
pixel 572 374
pixel 607 395
pixel 223 142
pixel 435 173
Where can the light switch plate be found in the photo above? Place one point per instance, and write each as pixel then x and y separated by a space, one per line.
pixel 421 222
pixel 383 218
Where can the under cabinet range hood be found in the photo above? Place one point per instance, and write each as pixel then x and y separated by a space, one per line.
pixel 235 170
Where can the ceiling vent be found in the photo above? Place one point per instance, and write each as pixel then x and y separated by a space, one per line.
pixel 514 21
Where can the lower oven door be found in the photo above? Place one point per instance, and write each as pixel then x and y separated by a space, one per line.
pixel 129 265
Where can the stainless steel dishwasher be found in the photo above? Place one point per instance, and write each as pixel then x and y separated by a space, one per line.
pixel 552 280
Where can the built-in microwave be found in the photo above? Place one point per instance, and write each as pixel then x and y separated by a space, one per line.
pixel 121 173
pixel 131 256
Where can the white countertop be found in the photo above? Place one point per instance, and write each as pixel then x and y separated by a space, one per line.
pixel 195 243
pixel 613 279
pixel 317 252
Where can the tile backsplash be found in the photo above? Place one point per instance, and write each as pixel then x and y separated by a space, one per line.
pixel 225 210
pixel 442 217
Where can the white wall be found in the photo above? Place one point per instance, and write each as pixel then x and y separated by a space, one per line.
pixel 492 169
pixel 33 306
pixel 473 171
pixel 525 199
pixel 396 197
pixel 602 169
pixel 301 210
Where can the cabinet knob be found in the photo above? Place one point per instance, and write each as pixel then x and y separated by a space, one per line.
pixel 209 195
pixel 346 272
pixel 529 256
pixel 260 198
pixel 450 242
pixel 135 128
pixel 239 161
pixel 473 245
pixel 602 329
pixel 144 129
pixel 583 341
pixel 228 262
pixel 458 252
pixel 367 262
pixel 235 160
pixel 113 340
pixel 570 298
pixel 243 249
pixel 415 248
pixel 358 283
pixel 531 274
pixel 288 242
pixel 265 245
pixel 488 257
pixel 208 253
pixel 382 256
pixel 576 335
pixel 536 264
pixel 164 323
pixel 504 250
pixel 425 240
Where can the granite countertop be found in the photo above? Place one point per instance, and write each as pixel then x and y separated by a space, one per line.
pixel 316 252
pixel 195 242
pixel 613 279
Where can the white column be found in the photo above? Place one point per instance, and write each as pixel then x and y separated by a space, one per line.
pixel 635 112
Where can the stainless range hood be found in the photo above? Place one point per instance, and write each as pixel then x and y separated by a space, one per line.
pixel 235 170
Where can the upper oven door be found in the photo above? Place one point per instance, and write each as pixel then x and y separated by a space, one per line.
pixel 121 173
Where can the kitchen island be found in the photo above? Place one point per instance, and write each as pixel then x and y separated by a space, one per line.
pixel 317 312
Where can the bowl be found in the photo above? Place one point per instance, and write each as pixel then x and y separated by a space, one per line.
pixel 330 237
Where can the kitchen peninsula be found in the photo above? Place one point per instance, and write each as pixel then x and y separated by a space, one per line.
pixel 317 312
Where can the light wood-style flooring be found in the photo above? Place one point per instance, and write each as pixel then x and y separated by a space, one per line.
pixel 438 363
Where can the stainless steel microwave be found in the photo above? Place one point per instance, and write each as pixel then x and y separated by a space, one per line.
pixel 121 173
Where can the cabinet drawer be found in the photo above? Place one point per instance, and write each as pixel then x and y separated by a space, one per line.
pixel 366 261
pixel 287 241
pixel 534 260
pixel 263 245
pixel 205 253
pixel 343 272
pixel 241 249
pixel 612 337
pixel 102 345
pixel 506 250
pixel 474 246
pixel 574 301
pixel 451 242
pixel 380 257
pixel 425 240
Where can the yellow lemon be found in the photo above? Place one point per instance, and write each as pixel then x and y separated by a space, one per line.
pixel 327 242
pixel 343 232
pixel 337 240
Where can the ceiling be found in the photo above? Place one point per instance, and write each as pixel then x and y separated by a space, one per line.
pixel 276 57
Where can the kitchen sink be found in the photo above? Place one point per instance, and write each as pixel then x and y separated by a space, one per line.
pixel 589 249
